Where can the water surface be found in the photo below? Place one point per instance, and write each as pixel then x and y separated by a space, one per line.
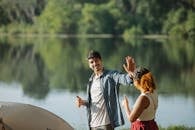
pixel 50 72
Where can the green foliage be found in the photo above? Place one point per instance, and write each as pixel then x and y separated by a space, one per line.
pixel 133 32
pixel 173 128
pixel 15 29
pixel 177 128
pixel 123 14
pixel 96 19
pixel 190 24
pixel 149 16
pixel 180 23
pixel 56 20
pixel 175 17
pixel 20 10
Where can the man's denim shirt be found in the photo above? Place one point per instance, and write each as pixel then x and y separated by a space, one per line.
pixel 110 82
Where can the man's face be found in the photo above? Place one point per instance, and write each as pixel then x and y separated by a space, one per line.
pixel 95 64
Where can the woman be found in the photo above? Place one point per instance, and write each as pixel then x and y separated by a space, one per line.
pixel 143 113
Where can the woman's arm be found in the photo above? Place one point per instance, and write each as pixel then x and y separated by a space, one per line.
pixel 141 103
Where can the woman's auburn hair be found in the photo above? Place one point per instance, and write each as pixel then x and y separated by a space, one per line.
pixel 147 82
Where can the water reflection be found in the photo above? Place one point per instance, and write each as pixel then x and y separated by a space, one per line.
pixel 21 64
pixel 43 65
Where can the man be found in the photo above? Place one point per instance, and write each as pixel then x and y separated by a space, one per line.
pixel 103 107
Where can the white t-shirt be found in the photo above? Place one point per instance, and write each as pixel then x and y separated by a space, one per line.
pixel 99 114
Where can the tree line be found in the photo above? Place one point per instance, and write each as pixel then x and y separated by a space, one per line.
pixel 115 17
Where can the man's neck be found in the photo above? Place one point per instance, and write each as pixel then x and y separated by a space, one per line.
pixel 99 73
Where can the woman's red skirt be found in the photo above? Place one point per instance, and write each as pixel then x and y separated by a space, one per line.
pixel 144 125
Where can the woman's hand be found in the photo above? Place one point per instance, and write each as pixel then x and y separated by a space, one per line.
pixel 125 102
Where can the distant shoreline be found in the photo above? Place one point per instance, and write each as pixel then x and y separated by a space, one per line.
pixel 150 36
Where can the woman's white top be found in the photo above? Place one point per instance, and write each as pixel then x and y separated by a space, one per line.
pixel 150 111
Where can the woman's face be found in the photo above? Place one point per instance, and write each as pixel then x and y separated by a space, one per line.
pixel 136 83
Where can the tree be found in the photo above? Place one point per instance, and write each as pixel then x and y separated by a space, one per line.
pixel 20 10
pixel 96 19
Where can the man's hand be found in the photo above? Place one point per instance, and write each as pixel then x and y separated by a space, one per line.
pixel 79 101
pixel 130 65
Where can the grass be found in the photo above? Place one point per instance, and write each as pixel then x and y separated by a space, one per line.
pixel 178 128
pixel 172 128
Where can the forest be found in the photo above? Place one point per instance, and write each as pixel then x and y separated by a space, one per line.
pixel 172 18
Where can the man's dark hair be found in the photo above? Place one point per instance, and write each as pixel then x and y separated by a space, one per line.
pixel 93 54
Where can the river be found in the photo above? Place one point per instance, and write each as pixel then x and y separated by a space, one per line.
pixel 51 72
